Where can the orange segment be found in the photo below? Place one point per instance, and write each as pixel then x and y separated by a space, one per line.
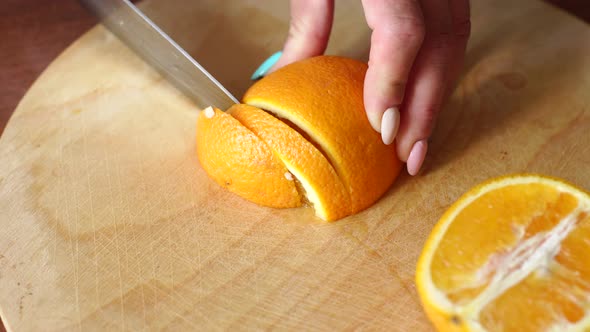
pixel 321 183
pixel 238 160
pixel 510 255
pixel 323 96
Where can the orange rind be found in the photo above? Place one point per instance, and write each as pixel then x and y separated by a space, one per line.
pixel 309 117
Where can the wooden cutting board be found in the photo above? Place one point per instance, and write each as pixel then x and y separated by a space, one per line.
pixel 107 220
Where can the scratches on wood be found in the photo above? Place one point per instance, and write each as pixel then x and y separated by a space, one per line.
pixel 117 226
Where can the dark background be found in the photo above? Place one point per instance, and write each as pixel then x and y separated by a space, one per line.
pixel 34 32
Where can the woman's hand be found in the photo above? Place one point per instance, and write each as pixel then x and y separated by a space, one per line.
pixel 417 50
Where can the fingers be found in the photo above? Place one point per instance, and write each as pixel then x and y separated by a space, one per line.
pixel 428 83
pixel 309 31
pixel 435 71
pixel 398 32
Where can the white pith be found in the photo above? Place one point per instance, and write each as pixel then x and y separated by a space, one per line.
pixel 209 112
pixel 310 193
pixel 289 176
pixel 516 265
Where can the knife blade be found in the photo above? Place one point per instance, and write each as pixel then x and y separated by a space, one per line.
pixel 152 44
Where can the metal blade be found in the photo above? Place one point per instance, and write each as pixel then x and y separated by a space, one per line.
pixel 159 50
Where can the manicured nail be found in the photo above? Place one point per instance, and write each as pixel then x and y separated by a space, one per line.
pixel 389 125
pixel 375 120
pixel 266 65
pixel 417 156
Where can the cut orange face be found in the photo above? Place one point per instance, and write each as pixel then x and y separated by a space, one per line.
pixel 512 254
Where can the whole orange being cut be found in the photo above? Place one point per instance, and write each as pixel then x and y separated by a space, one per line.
pixel 310 116
pixel 510 255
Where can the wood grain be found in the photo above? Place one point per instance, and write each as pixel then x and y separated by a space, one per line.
pixel 108 222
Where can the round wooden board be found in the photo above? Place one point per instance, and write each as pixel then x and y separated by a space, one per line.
pixel 108 222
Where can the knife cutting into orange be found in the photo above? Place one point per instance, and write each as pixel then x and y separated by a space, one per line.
pixel 303 139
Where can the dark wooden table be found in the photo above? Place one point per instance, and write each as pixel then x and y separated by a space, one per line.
pixel 34 32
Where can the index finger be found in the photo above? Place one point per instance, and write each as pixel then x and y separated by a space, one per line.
pixel 398 32
pixel 309 30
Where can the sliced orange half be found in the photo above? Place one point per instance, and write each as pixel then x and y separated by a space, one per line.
pixel 512 254
pixel 316 133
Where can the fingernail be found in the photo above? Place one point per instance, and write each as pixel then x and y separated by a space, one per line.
pixel 416 157
pixel 266 65
pixel 389 125
pixel 375 120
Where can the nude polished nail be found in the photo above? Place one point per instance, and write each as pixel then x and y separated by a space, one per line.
pixel 417 156
pixel 389 125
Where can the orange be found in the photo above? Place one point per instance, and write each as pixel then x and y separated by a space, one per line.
pixel 239 161
pixel 512 254
pixel 323 97
pixel 323 187
pixel 304 122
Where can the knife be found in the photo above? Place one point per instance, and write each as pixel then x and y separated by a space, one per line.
pixel 152 44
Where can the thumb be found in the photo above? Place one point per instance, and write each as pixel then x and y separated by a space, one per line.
pixel 309 31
